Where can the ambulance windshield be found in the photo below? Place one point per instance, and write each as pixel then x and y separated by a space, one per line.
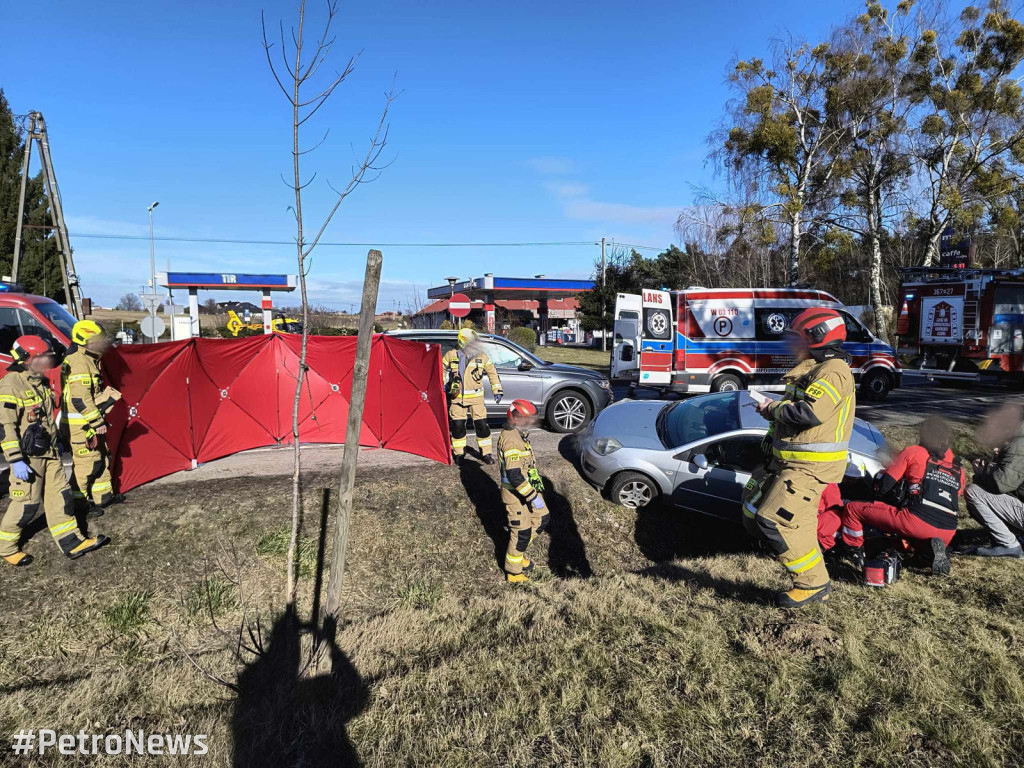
pixel 685 422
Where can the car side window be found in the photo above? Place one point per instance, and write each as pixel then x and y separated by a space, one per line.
pixel 740 454
pixel 10 329
pixel 30 324
pixel 501 356
pixel 854 330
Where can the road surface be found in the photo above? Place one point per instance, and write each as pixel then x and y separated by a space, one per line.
pixel 904 407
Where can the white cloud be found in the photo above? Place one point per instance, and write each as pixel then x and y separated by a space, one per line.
pixel 93 225
pixel 552 166
pixel 585 209
pixel 567 189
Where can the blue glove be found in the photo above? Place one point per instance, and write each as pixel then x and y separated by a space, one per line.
pixel 538 502
pixel 497 398
pixel 21 470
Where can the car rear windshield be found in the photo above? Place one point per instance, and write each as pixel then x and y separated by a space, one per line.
pixel 685 422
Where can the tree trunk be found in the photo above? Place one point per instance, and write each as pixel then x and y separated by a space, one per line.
pixel 931 254
pixel 875 284
pixel 794 248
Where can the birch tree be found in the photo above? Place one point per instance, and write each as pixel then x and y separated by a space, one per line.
pixel 296 70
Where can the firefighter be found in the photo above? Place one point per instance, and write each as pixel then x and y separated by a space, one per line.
pixel 917 497
pixel 28 438
pixel 521 489
pixel 87 400
pixel 465 369
pixel 810 436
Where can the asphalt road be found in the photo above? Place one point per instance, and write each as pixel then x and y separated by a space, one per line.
pixel 904 407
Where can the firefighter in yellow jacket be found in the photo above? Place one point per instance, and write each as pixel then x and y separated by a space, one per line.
pixel 465 369
pixel 810 437
pixel 87 399
pixel 28 438
pixel 521 489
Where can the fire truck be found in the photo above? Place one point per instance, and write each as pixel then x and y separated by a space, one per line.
pixel 724 339
pixel 962 324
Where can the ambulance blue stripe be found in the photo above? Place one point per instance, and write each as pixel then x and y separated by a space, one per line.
pixel 752 347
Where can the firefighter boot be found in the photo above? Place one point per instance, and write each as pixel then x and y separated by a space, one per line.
pixel 527 565
pixel 88 545
pixel 94 510
pixel 516 578
pixel 940 558
pixel 18 559
pixel 488 458
pixel 797 597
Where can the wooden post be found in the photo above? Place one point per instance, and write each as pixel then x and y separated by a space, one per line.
pixel 371 283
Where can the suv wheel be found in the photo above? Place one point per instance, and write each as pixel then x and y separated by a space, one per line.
pixel 569 412
pixel 633 490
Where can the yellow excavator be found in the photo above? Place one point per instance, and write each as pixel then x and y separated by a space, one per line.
pixel 281 324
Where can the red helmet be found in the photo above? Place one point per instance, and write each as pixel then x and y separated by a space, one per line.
pixel 27 347
pixel 521 408
pixel 819 327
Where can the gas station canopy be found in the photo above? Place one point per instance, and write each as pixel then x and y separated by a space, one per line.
pixel 210 281
pixel 490 289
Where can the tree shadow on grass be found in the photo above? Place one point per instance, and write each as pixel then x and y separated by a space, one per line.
pixel 664 532
pixel 285 713
pixel 740 591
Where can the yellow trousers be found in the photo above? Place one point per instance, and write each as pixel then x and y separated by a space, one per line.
pixel 47 487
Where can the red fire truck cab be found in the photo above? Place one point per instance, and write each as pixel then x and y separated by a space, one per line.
pixel 965 324
pixel 22 313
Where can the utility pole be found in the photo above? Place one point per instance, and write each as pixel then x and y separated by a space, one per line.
pixel 604 282
pixel 350 458
pixel 37 132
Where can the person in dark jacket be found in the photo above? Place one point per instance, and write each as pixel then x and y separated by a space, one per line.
pixel 996 497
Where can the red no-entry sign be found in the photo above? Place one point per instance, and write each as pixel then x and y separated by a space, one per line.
pixel 459 305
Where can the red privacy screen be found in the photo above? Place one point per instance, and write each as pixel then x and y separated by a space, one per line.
pixel 201 399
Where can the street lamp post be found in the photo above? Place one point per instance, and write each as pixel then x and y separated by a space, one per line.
pixel 451 286
pixel 152 247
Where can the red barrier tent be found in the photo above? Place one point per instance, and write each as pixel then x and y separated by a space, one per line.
pixel 193 401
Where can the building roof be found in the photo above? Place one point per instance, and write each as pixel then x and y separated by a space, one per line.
pixel 513 287
pixel 512 305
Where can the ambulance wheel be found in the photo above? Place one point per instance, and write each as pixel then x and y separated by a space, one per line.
pixel 875 385
pixel 727 382
pixel 633 490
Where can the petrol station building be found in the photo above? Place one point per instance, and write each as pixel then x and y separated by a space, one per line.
pixel 547 299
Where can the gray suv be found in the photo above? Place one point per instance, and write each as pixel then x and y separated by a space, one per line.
pixel 567 396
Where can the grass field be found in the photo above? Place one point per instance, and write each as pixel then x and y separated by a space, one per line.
pixel 584 356
pixel 646 640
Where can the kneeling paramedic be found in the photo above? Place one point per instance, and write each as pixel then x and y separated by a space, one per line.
pixel 87 400
pixel 465 369
pixel 810 431
pixel 28 438
pixel 521 489
pixel 917 497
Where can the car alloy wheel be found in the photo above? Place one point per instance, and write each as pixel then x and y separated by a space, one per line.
pixel 635 494
pixel 570 413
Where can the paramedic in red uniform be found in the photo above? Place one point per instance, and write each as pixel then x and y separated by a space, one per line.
pixel 830 510
pixel 925 483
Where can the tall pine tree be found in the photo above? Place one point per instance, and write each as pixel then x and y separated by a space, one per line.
pixel 40 264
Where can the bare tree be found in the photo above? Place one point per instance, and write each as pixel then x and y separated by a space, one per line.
pixel 296 75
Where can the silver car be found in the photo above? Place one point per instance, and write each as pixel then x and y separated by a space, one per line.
pixel 696 454
pixel 567 396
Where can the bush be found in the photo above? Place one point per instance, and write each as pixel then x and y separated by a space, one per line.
pixel 467 323
pixel 524 337
pixel 446 325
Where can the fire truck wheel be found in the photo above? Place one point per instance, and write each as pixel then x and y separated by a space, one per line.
pixel 875 385
pixel 727 382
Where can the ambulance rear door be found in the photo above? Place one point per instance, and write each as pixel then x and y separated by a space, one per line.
pixel 657 343
pixel 626 344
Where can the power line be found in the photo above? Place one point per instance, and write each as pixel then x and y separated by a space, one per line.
pixel 235 241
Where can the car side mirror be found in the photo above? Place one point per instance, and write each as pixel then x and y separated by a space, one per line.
pixel 701 461
pixel 524 365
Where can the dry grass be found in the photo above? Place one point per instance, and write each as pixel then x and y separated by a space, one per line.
pixel 583 356
pixel 645 640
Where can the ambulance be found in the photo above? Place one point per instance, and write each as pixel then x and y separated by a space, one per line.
pixel 962 324
pixel 725 339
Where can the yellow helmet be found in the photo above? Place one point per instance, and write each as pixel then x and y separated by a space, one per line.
pixel 85 330
pixel 466 337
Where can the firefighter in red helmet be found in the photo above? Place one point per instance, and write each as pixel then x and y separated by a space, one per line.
pixel 28 438
pixel 810 437
pixel 522 489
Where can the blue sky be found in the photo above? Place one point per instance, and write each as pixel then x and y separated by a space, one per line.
pixel 517 122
